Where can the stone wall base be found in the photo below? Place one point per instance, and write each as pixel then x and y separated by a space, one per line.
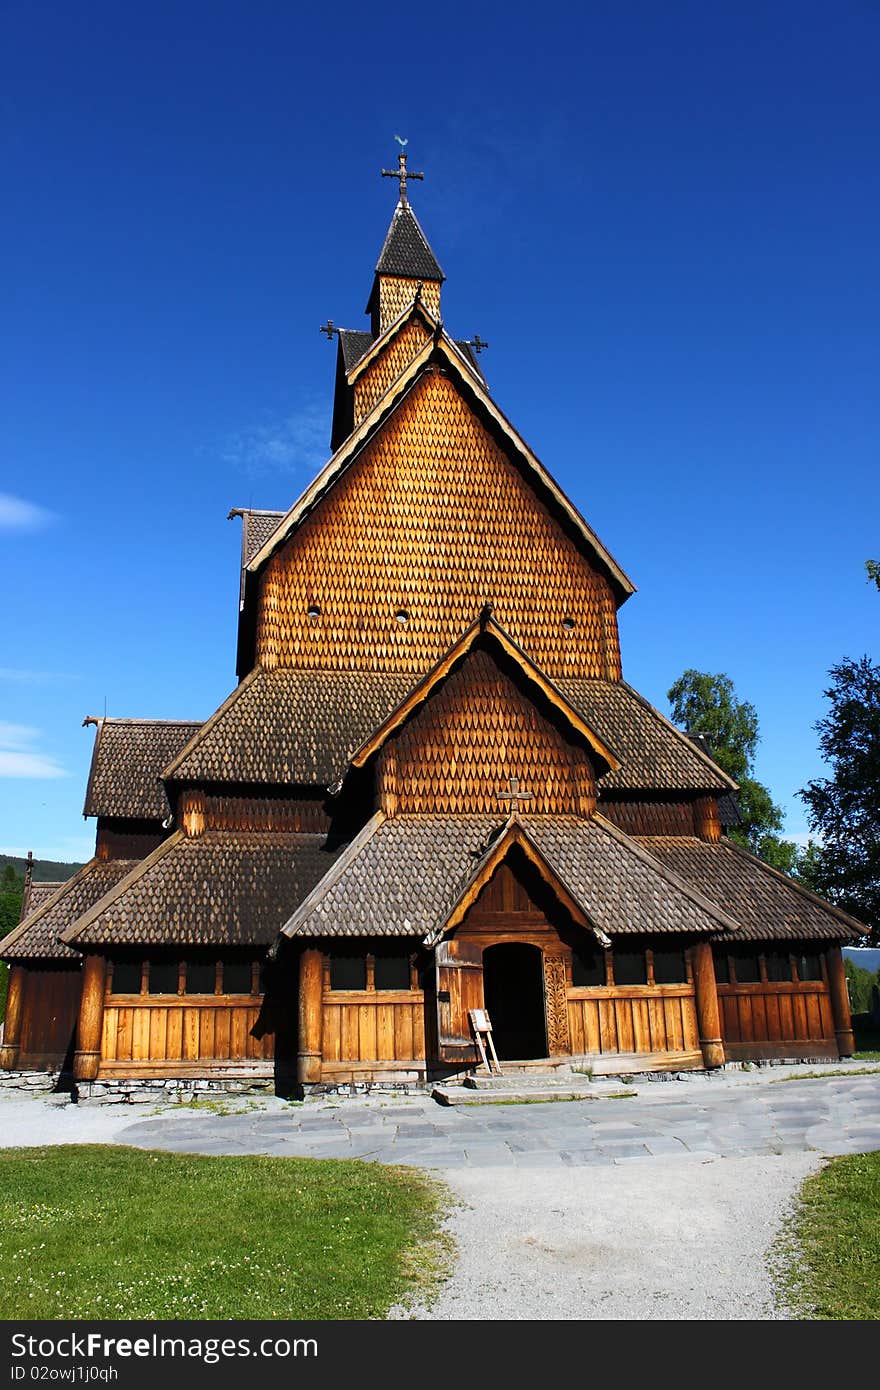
pixel 162 1090
pixel 35 1082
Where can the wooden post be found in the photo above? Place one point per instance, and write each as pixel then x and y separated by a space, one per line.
pixel 843 1032
pixel 311 980
pixel 706 999
pixel 12 1026
pixel 707 821
pixel 91 1019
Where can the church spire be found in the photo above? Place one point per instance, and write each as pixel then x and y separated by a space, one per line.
pixel 406 261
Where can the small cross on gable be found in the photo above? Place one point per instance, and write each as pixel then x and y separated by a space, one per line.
pixel 513 796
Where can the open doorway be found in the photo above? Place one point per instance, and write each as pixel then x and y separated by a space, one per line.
pixel 513 987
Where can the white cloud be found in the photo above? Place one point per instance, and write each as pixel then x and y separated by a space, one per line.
pixel 18 757
pixel 283 444
pixel 18 515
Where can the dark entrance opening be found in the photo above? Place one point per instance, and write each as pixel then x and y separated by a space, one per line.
pixel 513 987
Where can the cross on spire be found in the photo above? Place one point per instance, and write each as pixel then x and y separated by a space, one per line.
pixel 514 796
pixel 329 328
pixel 401 172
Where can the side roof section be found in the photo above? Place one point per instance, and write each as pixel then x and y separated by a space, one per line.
pixel 127 762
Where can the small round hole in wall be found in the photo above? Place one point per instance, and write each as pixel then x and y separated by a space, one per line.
pixel 313 612
pixel 402 616
pixel 568 624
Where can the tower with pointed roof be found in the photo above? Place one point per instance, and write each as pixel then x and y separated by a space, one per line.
pixel 431 792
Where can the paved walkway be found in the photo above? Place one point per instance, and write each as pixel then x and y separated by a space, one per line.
pixel 727 1117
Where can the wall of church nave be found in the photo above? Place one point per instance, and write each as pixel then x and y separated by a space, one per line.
pixel 775 1001
pixel 163 1014
pixel 45 1029
pixel 373 1013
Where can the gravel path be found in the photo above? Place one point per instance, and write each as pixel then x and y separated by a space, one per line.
pixel 676 1238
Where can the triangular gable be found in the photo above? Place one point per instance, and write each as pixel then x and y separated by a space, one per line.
pixel 513 834
pixel 484 626
pixel 442 350
pixel 415 309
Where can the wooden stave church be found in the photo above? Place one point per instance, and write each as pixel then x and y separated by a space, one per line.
pixel 431 791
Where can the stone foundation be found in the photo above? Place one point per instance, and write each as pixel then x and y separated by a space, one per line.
pixel 35 1082
pixel 159 1090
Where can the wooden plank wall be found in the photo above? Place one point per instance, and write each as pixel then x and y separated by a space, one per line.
pixel 190 1029
pixel 764 1020
pixel 374 1026
pixel 634 1018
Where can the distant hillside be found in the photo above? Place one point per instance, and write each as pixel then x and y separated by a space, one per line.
pixel 45 870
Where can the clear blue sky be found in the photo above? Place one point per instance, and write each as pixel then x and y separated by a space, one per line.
pixel 664 219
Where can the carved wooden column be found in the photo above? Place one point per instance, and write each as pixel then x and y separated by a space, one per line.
pixel 706 999
pixel 556 999
pixel 707 820
pixel 12 1026
pixel 91 1019
pixel 843 1032
pixel 311 989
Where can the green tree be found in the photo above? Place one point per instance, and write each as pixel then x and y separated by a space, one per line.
pixel 708 704
pixel 873 570
pixel 844 809
pixel 861 982
pixel 11 889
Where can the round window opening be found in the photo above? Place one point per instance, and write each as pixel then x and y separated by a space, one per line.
pixel 313 612
pixel 568 624
pixel 402 616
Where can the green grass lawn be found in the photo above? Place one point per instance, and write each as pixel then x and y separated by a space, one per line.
pixel 830 1255
pixel 97 1231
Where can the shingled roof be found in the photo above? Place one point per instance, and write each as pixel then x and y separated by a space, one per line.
pixel 127 761
pixel 224 888
pixel 36 937
pixel 406 251
pixel 654 754
pixel 767 904
pixel 35 894
pixel 256 528
pixel 354 344
pixel 289 727
pixel 403 877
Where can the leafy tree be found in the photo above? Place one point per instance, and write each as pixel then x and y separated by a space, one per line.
pixel 861 982
pixel 11 889
pixel 873 570
pixel 844 809
pixel 708 704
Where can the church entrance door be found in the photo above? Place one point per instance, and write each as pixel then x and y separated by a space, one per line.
pixel 513 987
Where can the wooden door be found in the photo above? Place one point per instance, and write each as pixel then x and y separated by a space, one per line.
pixel 459 978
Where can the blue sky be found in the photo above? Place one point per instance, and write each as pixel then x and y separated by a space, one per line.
pixel 663 218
